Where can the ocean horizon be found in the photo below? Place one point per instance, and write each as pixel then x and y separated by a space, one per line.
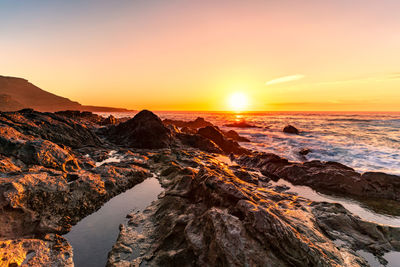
pixel 365 141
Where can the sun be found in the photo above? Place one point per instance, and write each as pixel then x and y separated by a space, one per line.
pixel 238 101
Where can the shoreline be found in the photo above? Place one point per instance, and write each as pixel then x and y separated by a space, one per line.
pixel 51 158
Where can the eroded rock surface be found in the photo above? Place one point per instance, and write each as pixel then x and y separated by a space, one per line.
pixel 57 169
pixel 54 171
pixel 145 130
pixel 49 126
pixel 52 250
pixel 227 145
pixel 208 216
pixel 328 177
pixel 197 123
pixel 88 117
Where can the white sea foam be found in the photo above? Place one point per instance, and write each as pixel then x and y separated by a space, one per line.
pixel 364 141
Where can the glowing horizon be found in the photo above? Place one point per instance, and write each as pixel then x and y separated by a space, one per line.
pixel 284 56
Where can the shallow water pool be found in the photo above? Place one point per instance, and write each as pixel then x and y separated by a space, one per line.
pixel 93 237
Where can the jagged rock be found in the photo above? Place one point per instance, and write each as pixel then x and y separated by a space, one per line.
pixel 25 209
pixel 88 117
pixel 290 129
pixel 235 136
pixel 110 120
pixel 8 166
pixel 227 145
pixel 36 152
pixel 189 127
pixel 145 130
pixel 200 142
pixel 174 130
pixel 47 126
pixel 197 123
pixel 188 130
pixel 304 151
pixel 52 251
pixel 80 115
pixel 327 177
pixel 211 217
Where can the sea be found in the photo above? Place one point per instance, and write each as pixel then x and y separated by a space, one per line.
pixel 365 141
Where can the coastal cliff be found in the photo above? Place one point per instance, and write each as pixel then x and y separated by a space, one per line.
pixel 18 93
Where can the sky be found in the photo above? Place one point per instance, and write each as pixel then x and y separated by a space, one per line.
pixel 194 55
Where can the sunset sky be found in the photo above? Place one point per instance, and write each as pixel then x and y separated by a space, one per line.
pixel 193 55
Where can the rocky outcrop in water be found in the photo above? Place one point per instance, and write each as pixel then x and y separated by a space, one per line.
pixel 227 145
pixel 241 124
pixel 200 142
pixel 145 130
pixel 197 123
pixel 235 136
pixel 326 177
pixel 291 130
pixel 192 127
pixel 208 216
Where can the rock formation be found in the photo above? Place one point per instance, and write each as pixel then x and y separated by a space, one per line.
pixel 145 130
pixel 197 123
pixel 55 169
pixel 291 130
pixel 326 177
pixel 227 145
pixel 208 216
pixel 241 124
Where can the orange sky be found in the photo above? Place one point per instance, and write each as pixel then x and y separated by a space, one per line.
pixel 192 55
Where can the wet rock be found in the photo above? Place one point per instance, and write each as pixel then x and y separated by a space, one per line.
pixel 53 251
pixel 35 151
pixel 88 117
pixel 8 166
pixel 200 142
pixel 25 209
pixel 174 130
pixel 80 115
pixel 189 127
pixel 235 136
pixel 227 145
pixel 145 130
pixel 188 130
pixel 241 124
pixel 246 176
pixel 291 130
pixel 212 217
pixel 197 123
pixel 110 120
pixel 305 151
pixel 48 126
pixel 327 177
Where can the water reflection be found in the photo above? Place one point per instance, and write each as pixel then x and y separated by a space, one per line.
pixel 92 238
pixel 353 206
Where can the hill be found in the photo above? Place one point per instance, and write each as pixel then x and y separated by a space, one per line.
pixel 18 93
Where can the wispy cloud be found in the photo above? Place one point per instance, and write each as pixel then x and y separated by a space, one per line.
pixel 285 79
pixel 395 75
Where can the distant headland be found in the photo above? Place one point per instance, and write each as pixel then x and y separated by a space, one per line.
pixel 18 93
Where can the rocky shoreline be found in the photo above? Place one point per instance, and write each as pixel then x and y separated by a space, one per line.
pixel 55 170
